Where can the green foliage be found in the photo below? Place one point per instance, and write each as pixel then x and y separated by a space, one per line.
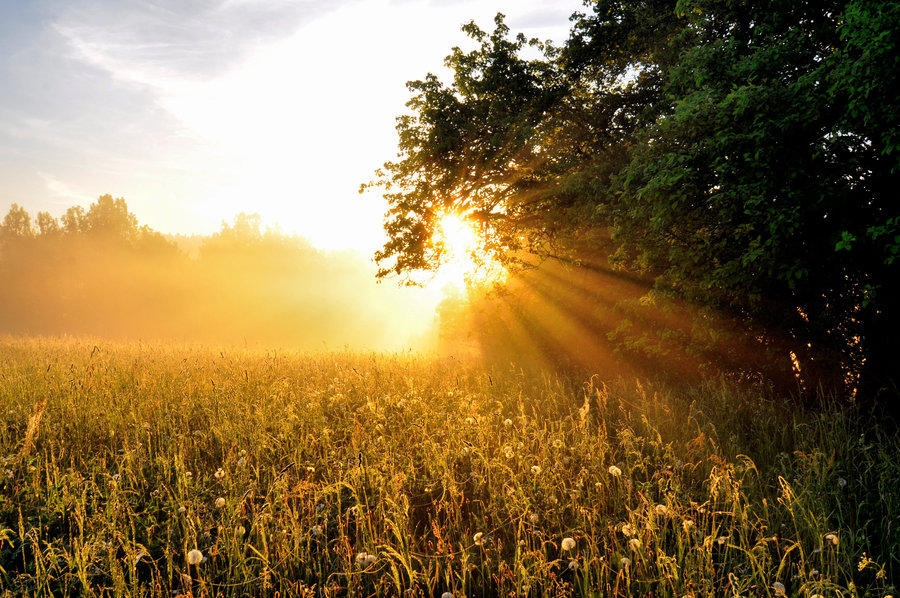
pixel 744 154
pixel 285 471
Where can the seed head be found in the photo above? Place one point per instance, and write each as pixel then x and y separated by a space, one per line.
pixel 220 473
pixel 478 538
pixel 614 471
pixel 832 539
pixel 220 503
pixel 779 589
pixel 625 562
pixel 568 544
pixel 634 544
pixel 535 470
pixel 194 557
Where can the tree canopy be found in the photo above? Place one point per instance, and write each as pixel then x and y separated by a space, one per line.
pixel 743 155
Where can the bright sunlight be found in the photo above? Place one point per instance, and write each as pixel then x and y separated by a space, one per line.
pixel 464 260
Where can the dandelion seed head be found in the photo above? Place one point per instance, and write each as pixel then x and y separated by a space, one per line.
pixel 624 562
pixel 573 565
pixel 220 503
pixel 832 539
pixel 687 524
pixel 634 544
pixel 478 538
pixel 220 473
pixel 568 544
pixel 316 530
pixel 614 471
pixel 779 588
pixel 558 444
pixel 627 529
pixel 470 420
pixel 507 422
pixel 447 595
pixel 182 509
pixel 194 557
pixel 842 483
pixel 535 470
pixel 239 530
pixel 721 540
pixel 534 518
pixel 662 510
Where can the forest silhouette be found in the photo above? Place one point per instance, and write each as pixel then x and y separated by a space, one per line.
pixel 98 272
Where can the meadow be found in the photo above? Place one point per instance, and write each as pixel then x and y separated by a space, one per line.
pixel 157 470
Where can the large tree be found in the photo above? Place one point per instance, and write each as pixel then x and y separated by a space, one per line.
pixel 743 154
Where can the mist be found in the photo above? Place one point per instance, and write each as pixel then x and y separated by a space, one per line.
pixel 97 272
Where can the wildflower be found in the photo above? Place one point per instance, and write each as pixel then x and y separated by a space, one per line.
pixel 507 422
pixel 832 539
pixel 478 538
pixel 624 562
pixel 220 473
pixel 779 589
pixel 220 503
pixel 535 470
pixel 239 530
pixel 447 595
pixel 194 557
pixel 721 540
pixel 310 469
pixel 567 544
pixel 661 510
pixel 243 453
pixel 534 518
pixel 627 529
pixel 316 530
pixel 364 559
pixel 614 471
pixel 188 474
pixel 509 453
pixel 687 524
pixel 634 544
pixel 558 444
pixel 573 565
pixel 242 461
pixel 182 509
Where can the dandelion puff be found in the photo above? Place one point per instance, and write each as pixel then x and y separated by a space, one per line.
pixel 627 529
pixel 220 503
pixel 220 473
pixel 316 530
pixel 239 530
pixel 567 544
pixel 470 420
pixel 534 518
pixel 832 539
pixel 634 544
pixel 624 562
pixel 535 470
pixel 509 453
pixel 558 444
pixel 507 422
pixel 662 510
pixel 614 471
pixel 369 560
pixel 573 565
pixel 779 589
pixel 194 557
pixel 687 524
pixel 478 538
pixel 721 540
pixel 447 595
pixel 842 483
pixel 182 509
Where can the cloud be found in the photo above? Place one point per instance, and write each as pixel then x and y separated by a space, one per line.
pixel 65 193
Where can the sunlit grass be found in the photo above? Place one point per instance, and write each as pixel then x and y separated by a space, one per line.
pixel 130 470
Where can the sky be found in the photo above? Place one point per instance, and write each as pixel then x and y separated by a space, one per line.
pixel 197 110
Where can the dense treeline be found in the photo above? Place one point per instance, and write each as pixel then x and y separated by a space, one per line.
pixel 742 156
pixel 99 272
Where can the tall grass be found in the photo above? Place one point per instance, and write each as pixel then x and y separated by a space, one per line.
pixel 359 474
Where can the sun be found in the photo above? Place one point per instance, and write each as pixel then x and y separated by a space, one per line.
pixel 463 259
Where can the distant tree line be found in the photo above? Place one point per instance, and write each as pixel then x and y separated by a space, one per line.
pixel 743 157
pixel 97 271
